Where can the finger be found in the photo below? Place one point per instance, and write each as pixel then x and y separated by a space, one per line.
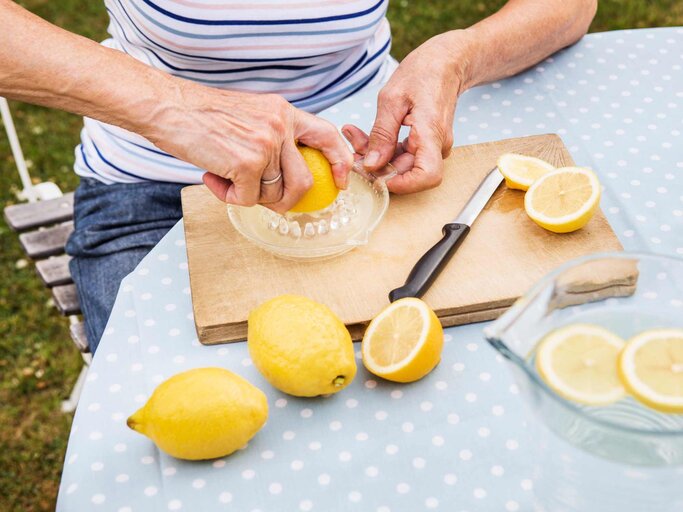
pixel 384 133
pixel 427 168
pixel 317 133
pixel 359 140
pixel 271 192
pixel 245 192
pixel 444 135
pixel 409 145
pixel 217 185
pixel 400 164
pixel 244 187
pixel 296 178
pixel 356 137
pixel 403 163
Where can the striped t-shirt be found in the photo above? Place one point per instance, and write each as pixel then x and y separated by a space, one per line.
pixel 312 53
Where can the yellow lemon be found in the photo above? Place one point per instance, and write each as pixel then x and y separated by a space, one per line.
pixel 324 191
pixel 579 363
pixel 404 342
pixel 563 200
pixel 521 171
pixel 202 414
pixel 651 368
pixel 300 346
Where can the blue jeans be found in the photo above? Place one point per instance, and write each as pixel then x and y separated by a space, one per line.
pixel 115 227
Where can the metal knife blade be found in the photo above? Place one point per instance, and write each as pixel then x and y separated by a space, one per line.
pixel 480 198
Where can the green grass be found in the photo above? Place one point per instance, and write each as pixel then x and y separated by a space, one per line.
pixel 38 364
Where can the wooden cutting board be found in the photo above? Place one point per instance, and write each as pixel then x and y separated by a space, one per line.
pixel 504 254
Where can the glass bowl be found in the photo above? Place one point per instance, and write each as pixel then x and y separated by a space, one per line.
pixel 619 457
pixel 345 224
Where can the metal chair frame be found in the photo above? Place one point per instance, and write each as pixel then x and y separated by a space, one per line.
pixel 33 194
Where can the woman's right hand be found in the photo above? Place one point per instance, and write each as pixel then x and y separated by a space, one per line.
pixel 241 139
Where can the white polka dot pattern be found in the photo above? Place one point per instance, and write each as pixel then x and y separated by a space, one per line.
pixel 458 436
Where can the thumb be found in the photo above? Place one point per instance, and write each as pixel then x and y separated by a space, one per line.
pixel 384 134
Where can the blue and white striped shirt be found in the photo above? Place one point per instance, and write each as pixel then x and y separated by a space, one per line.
pixel 312 53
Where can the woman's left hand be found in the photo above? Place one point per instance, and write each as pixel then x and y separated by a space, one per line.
pixel 421 94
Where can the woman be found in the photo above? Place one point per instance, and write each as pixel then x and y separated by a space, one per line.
pixel 186 90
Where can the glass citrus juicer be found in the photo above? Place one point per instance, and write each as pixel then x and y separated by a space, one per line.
pixel 347 223
pixel 621 457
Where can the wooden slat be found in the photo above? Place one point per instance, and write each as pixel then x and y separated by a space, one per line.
pixel 66 299
pixel 54 271
pixel 79 337
pixel 21 217
pixel 46 242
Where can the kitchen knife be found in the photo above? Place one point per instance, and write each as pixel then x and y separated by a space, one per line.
pixel 434 260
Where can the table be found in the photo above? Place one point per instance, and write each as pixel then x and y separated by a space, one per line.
pixel 454 441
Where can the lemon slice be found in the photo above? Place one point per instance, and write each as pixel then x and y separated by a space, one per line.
pixel 651 368
pixel 324 191
pixel 404 342
pixel 579 362
pixel 563 200
pixel 521 171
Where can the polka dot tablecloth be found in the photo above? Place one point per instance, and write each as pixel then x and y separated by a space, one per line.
pixel 457 440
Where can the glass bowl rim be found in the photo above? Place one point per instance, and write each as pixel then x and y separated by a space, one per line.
pixel 297 252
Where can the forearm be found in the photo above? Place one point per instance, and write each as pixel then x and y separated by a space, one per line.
pixel 43 64
pixel 518 36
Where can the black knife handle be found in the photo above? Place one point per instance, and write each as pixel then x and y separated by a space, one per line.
pixel 431 263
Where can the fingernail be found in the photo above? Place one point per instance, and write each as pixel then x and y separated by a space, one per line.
pixel 371 158
pixel 344 183
pixel 347 135
pixel 337 168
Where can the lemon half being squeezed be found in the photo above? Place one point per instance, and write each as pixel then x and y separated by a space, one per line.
pixel 324 191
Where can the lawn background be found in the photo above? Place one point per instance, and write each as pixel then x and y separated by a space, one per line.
pixel 38 363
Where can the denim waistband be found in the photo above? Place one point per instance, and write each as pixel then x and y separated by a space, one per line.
pixel 120 216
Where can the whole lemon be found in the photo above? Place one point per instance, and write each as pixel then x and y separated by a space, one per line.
pixel 202 414
pixel 324 191
pixel 300 346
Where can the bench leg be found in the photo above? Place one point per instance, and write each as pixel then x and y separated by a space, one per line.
pixel 69 405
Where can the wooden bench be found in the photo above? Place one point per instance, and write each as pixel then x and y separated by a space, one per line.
pixel 43 228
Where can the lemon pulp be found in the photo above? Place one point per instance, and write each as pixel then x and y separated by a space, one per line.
pixel 563 200
pixel 579 362
pixel 521 171
pixel 404 342
pixel 651 368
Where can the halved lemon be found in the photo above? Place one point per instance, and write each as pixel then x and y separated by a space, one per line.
pixel 563 200
pixel 651 368
pixel 324 191
pixel 404 342
pixel 521 171
pixel 579 362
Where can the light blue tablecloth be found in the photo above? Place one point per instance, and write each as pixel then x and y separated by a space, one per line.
pixel 455 440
